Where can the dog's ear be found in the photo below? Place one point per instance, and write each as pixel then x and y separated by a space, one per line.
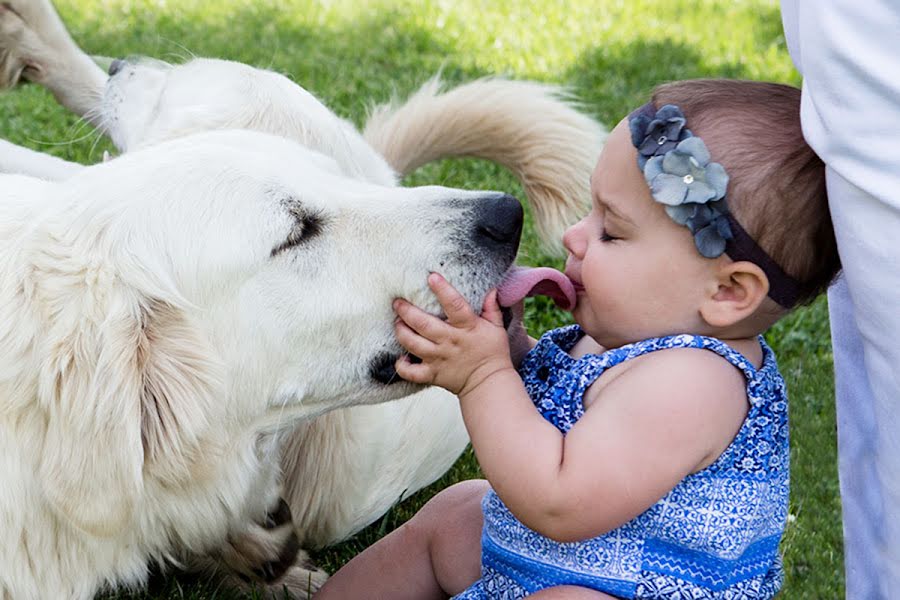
pixel 125 394
pixel 180 380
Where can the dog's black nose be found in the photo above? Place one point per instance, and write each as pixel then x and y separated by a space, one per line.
pixel 116 66
pixel 498 223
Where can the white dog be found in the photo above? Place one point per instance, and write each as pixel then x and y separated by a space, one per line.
pixel 181 321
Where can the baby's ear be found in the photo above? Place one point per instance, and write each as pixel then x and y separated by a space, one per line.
pixel 742 288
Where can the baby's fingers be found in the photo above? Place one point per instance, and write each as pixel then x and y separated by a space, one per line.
pixel 413 372
pixel 428 326
pixel 455 306
pixel 412 341
pixel 491 309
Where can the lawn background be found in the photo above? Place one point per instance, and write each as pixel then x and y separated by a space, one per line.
pixel 609 52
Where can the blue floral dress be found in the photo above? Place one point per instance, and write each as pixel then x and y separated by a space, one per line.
pixel 715 535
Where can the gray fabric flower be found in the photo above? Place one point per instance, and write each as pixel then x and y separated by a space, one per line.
pixel 692 189
pixel 709 224
pixel 657 135
pixel 685 174
pixel 677 167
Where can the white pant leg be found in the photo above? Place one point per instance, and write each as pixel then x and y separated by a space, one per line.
pixel 865 319
pixel 861 496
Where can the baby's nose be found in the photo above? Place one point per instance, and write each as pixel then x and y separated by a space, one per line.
pixel 573 239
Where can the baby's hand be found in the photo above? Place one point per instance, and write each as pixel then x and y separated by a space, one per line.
pixel 458 354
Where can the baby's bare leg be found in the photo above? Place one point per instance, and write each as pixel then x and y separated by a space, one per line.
pixel 435 554
pixel 570 592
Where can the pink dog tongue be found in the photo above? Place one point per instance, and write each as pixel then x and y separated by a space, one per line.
pixel 541 281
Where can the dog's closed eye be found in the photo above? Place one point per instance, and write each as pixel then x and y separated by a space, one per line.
pixel 307 225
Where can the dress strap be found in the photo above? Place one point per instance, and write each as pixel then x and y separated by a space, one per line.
pixel 556 382
pixel 594 365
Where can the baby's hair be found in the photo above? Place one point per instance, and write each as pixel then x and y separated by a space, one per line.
pixel 776 187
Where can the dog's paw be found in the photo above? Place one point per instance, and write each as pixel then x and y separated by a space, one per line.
pixel 266 557
pixel 289 573
pixel 32 39
pixel 261 554
pixel 300 582
pixel 12 33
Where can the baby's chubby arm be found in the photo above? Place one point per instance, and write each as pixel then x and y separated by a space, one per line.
pixel 649 428
pixel 469 355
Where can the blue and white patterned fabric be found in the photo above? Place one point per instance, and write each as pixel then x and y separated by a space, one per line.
pixel 715 535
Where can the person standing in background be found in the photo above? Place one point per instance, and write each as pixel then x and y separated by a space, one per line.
pixel 847 52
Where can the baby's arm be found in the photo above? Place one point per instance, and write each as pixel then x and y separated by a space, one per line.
pixel 662 419
pixel 665 416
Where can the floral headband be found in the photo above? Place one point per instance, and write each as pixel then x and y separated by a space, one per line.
pixel 677 167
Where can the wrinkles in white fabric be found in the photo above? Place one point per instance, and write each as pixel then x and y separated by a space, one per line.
pixel 865 315
pixel 851 90
pixel 849 55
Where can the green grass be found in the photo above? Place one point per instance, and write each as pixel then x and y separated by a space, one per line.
pixel 611 53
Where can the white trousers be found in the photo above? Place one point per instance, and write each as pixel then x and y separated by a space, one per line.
pixel 865 323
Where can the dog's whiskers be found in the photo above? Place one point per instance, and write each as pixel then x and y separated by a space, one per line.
pixel 75 129
pixel 82 122
pixel 396 375
pixel 95 117
pixel 188 56
pixel 99 132
pixel 66 143
pixel 271 62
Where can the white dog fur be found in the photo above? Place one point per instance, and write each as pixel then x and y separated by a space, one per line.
pixel 169 367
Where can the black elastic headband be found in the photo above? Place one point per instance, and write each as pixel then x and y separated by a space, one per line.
pixel 682 177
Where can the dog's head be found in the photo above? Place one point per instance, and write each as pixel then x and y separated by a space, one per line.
pixel 231 277
pixel 147 101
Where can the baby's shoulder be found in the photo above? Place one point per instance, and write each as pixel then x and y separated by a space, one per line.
pixel 673 374
pixel 691 398
pixel 681 360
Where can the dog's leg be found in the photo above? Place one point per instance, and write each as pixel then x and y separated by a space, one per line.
pixel 35 46
pixel 345 469
pixel 16 160
pixel 265 557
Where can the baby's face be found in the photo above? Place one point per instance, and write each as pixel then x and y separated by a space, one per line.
pixel 637 272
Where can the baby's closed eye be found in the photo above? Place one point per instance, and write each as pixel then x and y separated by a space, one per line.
pixel 605 236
